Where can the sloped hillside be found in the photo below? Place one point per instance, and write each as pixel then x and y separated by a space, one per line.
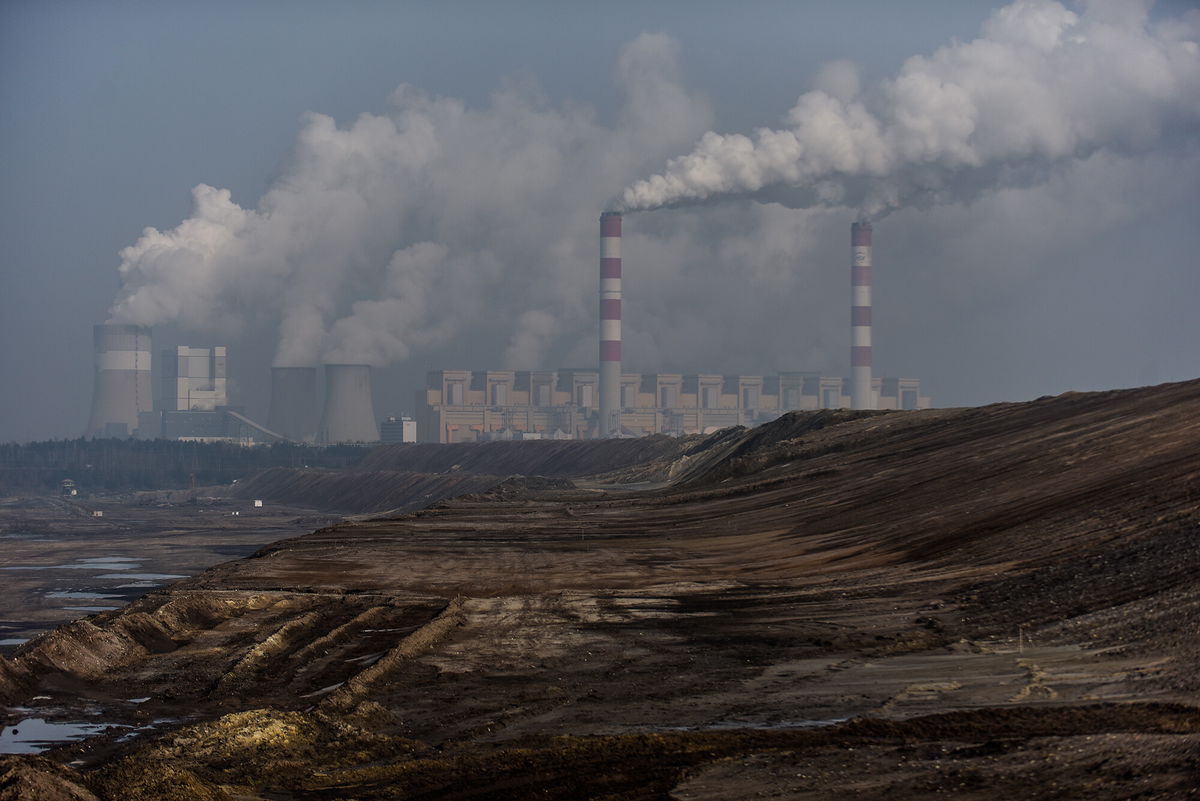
pixel 991 602
pixel 404 477
pixel 553 458
pixel 359 492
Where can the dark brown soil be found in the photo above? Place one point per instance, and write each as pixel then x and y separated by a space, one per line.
pixel 992 602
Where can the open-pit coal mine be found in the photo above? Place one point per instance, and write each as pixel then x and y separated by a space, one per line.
pixel 993 602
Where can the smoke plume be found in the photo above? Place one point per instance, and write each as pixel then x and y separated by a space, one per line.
pixel 1041 84
pixel 466 235
pixel 403 230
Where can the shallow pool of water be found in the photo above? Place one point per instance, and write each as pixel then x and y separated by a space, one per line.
pixel 34 735
pixel 123 565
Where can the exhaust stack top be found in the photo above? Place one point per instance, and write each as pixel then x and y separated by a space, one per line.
pixel 610 324
pixel 861 394
pixel 123 385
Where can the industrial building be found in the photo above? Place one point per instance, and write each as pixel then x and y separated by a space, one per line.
pixel 349 412
pixel 293 411
pixel 194 405
pixel 398 429
pixel 193 379
pixel 123 388
pixel 468 406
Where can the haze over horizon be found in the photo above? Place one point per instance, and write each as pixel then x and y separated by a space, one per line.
pixel 418 188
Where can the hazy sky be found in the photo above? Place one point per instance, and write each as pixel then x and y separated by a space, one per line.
pixel 452 223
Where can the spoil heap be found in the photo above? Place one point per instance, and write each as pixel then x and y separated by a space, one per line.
pixel 988 601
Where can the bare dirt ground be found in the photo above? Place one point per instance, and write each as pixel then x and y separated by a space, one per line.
pixel 974 602
pixel 58 562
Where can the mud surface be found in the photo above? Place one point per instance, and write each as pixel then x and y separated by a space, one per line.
pixel 981 603
pixel 58 562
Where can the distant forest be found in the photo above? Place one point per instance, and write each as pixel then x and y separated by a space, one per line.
pixel 130 464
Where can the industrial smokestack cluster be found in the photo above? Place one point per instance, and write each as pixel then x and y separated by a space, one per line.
pixel 124 390
pixel 861 395
pixel 123 383
pixel 349 414
pixel 610 323
pixel 293 411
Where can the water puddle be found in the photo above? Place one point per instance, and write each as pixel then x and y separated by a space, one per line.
pixel 34 735
pixel 82 596
pixel 324 690
pixel 14 641
pixel 149 727
pixel 143 576
pixel 90 608
pixel 85 564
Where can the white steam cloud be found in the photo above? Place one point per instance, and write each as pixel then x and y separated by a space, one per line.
pixel 437 223
pixel 403 230
pixel 1040 85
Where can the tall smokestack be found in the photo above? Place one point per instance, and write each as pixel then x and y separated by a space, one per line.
pixel 861 396
pixel 123 383
pixel 610 323
pixel 293 410
pixel 349 414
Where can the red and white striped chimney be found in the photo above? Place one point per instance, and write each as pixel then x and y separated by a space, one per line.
pixel 610 323
pixel 861 395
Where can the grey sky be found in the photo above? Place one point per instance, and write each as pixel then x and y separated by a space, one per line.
pixel 111 113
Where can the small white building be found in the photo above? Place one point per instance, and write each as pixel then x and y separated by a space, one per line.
pixel 398 429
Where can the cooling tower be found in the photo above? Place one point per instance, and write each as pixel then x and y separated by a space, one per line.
pixel 123 383
pixel 610 324
pixel 861 396
pixel 349 414
pixel 293 410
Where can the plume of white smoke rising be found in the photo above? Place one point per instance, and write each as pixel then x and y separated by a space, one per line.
pixel 1041 84
pixel 404 229
pixel 438 222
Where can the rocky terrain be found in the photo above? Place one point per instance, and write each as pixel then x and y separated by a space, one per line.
pixel 978 603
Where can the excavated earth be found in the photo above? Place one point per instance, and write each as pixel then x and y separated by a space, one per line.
pixel 991 602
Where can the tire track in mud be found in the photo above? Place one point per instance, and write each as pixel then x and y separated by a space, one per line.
pixel 423 639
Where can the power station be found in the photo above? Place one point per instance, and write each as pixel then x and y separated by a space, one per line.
pixel 862 395
pixel 610 323
pixel 123 385
pixel 349 414
pixel 293 411
pixel 465 405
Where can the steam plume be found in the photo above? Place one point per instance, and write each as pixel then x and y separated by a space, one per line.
pixel 1041 84
pixel 468 232
pixel 402 230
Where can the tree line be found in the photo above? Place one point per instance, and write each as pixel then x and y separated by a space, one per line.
pixel 132 464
